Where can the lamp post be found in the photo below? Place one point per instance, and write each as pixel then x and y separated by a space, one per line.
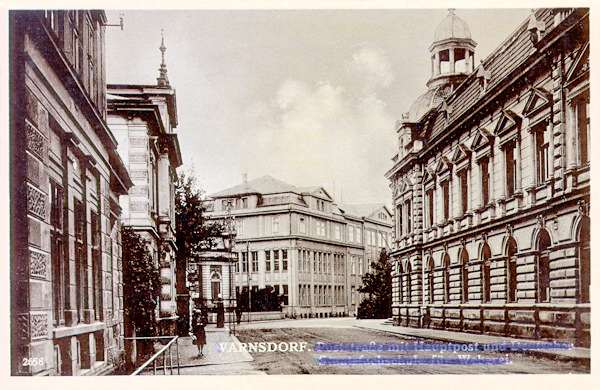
pixel 249 276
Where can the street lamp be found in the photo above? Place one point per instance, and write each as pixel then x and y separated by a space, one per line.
pixel 249 278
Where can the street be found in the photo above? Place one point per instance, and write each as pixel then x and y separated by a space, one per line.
pixel 342 330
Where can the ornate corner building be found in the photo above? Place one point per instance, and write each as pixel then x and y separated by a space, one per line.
pixel 491 185
pixel 142 119
pixel 66 178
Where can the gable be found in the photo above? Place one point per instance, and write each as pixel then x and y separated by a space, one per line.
pixel 508 120
pixel 461 153
pixel 538 99
pixel 428 176
pixel 442 166
pixel 481 140
pixel 581 65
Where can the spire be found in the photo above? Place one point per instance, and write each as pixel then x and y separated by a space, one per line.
pixel 163 80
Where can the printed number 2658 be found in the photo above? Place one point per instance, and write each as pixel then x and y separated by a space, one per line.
pixel 33 361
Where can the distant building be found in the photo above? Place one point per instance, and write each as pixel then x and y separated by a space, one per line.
pixel 492 185
pixel 66 179
pixel 298 241
pixel 143 118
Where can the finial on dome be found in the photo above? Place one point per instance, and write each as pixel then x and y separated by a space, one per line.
pixel 163 80
pixel 451 11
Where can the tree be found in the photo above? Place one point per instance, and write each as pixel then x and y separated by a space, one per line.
pixel 378 284
pixel 192 231
pixel 141 283
pixel 193 234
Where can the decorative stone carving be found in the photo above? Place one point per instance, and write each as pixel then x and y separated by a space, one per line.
pixel 138 141
pixel 139 191
pixel 139 207
pixel 106 206
pixel 138 157
pixel 35 141
pixel 139 174
pixel 32 106
pixel 38 264
pixel 36 202
pixel 39 326
pixel 23 327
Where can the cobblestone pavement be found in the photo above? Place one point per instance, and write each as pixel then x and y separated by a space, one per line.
pixel 340 332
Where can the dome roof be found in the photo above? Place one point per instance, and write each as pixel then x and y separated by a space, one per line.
pixel 452 27
pixel 427 101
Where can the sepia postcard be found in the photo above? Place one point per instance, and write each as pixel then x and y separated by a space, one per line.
pixel 287 194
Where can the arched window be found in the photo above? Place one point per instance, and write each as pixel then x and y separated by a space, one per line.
pixel 400 281
pixel 408 283
pixel 446 271
pixel 543 267
pixel 431 290
pixel 215 284
pixel 486 285
pixel 511 270
pixel 464 275
pixel 584 261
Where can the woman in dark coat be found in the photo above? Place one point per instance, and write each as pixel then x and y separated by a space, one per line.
pixel 199 333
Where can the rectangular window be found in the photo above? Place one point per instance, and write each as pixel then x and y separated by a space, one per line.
pixel 582 123
pixel 350 233
pixel 407 210
pixel 239 227
pixel 337 231
pixel 541 149
pixel 446 199
pixel 510 167
pixel 244 261
pixel 268 261
pixel 360 265
pixel 430 205
pixel 59 268
pixel 358 235
pixel 244 203
pixel 254 261
pixel 276 260
pixel 464 198
pixel 285 294
pixel 485 181
pixel 80 269
pixel 302 225
pixel 284 259
pixel 96 266
pixel 400 218
pixel 275 225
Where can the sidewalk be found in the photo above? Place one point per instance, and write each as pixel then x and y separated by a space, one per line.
pixel 216 360
pixel 575 353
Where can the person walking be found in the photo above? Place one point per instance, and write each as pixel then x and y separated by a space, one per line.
pixel 198 333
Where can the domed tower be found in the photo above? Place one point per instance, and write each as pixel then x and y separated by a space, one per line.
pixel 451 52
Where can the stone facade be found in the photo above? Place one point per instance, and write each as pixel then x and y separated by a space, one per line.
pixel 143 118
pixel 303 244
pixel 492 187
pixel 66 177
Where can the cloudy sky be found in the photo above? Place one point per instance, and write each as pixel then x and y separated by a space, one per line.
pixel 307 96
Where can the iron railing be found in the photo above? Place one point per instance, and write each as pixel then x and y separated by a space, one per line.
pixel 174 340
